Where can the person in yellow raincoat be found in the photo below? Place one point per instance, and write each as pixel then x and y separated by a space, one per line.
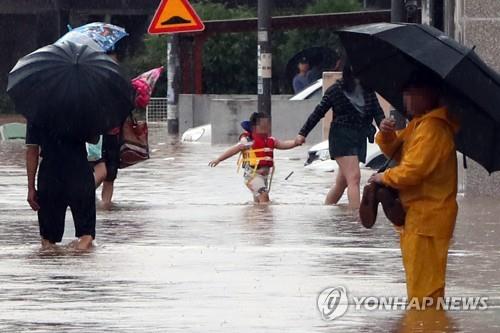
pixel 426 177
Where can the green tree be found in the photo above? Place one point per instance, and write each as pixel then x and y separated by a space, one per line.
pixel 209 10
pixel 229 60
pixel 333 6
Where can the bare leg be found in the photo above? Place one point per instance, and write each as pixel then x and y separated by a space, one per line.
pixel 337 189
pixel 100 173
pixel 263 198
pixel 107 192
pixel 350 169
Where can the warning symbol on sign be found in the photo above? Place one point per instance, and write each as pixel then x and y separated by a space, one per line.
pixel 173 16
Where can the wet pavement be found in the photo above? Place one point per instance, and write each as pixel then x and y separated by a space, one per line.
pixel 184 250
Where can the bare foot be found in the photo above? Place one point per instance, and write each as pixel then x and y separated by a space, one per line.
pixel 84 243
pixel 73 244
pixel 263 199
pixel 105 205
pixel 48 245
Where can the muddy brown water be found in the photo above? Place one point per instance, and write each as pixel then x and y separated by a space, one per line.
pixel 183 249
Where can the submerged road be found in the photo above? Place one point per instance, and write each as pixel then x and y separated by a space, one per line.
pixel 184 250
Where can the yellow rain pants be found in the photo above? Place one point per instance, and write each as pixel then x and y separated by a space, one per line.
pixel 424 260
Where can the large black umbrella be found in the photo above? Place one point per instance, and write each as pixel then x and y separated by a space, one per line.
pixel 71 90
pixel 386 56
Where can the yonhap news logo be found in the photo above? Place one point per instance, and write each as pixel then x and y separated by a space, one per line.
pixel 334 302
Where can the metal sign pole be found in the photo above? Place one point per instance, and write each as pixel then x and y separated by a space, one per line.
pixel 397 11
pixel 166 21
pixel 264 57
pixel 173 69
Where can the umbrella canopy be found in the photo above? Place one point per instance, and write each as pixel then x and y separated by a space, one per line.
pixel 103 34
pixel 150 77
pixel 71 90
pixel 79 38
pixel 387 56
pixel 144 85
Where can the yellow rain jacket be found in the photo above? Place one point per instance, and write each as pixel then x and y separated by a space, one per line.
pixel 426 174
pixel 426 177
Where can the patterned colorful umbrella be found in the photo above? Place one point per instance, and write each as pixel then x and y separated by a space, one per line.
pixel 104 35
pixel 144 85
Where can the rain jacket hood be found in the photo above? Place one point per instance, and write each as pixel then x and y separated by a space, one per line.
pixel 443 114
pixel 426 174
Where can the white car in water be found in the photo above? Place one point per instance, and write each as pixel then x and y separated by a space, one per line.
pixel 312 91
pixel 319 155
pixel 202 134
pixel 319 158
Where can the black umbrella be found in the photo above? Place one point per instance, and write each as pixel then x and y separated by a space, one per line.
pixel 71 90
pixel 386 56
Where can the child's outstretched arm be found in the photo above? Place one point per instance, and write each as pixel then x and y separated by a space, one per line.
pixel 286 144
pixel 227 154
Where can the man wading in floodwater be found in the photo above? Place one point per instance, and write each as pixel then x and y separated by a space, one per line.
pixel 64 179
pixel 426 177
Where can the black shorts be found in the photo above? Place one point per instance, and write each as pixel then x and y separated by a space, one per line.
pixel 345 141
pixel 111 156
pixel 61 186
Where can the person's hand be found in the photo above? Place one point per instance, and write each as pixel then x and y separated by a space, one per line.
pixel 399 229
pixel 300 140
pixel 388 125
pixel 33 199
pixel 376 178
pixel 213 163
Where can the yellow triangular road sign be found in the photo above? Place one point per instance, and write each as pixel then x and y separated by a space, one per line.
pixel 173 16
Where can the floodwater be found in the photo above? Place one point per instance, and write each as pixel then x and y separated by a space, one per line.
pixel 184 250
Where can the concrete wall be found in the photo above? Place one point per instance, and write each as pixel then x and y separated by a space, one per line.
pixel 193 111
pixel 226 112
pixel 477 23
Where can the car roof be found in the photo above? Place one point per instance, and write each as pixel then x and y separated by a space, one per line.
pixel 308 91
